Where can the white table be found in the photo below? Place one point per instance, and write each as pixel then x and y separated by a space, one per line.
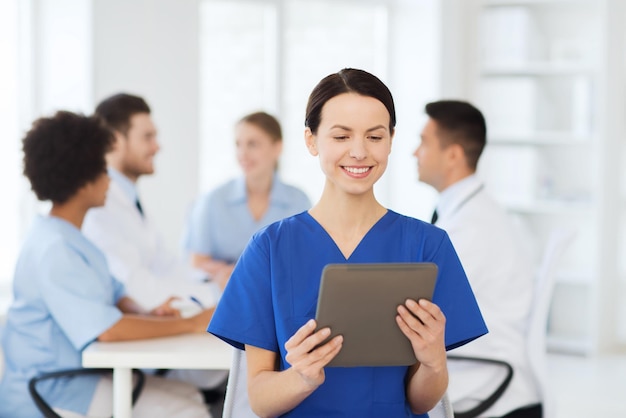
pixel 188 351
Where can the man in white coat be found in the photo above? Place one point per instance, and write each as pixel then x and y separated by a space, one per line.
pixel 490 250
pixel 123 230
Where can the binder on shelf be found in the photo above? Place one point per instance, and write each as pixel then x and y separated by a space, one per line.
pixel 506 36
pixel 509 105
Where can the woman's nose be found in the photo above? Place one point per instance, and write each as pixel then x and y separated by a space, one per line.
pixel 358 149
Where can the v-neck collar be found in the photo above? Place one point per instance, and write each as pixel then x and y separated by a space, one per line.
pixel 380 223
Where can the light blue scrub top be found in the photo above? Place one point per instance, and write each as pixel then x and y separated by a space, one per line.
pixel 64 297
pixel 220 224
pixel 274 287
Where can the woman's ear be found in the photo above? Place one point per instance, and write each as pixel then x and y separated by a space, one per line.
pixel 311 142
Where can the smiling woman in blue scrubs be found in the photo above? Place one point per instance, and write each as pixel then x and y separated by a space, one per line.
pixel 64 296
pixel 269 303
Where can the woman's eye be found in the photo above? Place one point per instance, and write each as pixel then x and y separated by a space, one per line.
pixel 341 137
pixel 376 138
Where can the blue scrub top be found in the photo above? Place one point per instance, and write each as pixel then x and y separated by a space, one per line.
pixel 220 224
pixel 273 292
pixel 64 298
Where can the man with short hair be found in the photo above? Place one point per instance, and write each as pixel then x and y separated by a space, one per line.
pixel 122 228
pixel 490 251
pixel 124 231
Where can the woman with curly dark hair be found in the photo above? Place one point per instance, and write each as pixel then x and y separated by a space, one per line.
pixel 64 295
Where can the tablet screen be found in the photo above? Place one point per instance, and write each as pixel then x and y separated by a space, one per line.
pixel 359 301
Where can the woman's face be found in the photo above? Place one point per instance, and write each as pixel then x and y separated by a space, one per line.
pixel 257 152
pixel 353 142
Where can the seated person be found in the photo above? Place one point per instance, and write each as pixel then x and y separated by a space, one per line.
pixel 492 255
pixel 64 295
pixel 223 221
pixel 122 228
pixel 125 232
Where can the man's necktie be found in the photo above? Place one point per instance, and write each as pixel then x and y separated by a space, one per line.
pixel 139 208
pixel 434 217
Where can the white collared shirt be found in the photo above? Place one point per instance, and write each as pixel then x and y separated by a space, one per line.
pixel 136 253
pixel 502 278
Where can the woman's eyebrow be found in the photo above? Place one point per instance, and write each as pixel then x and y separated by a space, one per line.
pixel 345 128
pixel 376 128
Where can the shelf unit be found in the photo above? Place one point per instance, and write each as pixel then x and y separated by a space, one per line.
pixel 544 73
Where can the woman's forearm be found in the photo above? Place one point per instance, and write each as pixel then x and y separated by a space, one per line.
pixel 137 327
pixel 426 386
pixel 272 393
pixel 275 393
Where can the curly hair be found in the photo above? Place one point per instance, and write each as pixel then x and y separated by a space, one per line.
pixel 64 152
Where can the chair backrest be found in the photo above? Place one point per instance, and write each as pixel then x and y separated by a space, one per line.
pixel 1 352
pixel 557 243
pixel 236 400
pixel 236 403
pixel 443 409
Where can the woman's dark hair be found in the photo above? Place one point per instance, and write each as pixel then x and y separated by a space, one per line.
pixel 268 123
pixel 348 80
pixel 63 153
pixel 117 110
pixel 460 123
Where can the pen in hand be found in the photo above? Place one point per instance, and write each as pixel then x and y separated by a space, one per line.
pixel 196 301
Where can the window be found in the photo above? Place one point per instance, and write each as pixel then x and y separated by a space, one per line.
pixel 269 55
pixel 238 63
pixel 45 58
pixel 9 145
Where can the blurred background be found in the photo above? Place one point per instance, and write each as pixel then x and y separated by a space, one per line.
pixel 548 74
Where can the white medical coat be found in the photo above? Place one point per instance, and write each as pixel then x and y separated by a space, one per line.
pixel 502 278
pixel 137 256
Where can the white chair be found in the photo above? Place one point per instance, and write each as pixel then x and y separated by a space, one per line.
pixel 443 409
pixel 557 243
pixel 236 400
pixel 1 352
pixel 236 403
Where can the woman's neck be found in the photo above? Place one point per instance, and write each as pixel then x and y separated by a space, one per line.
pixel 258 192
pixel 343 212
pixel 70 212
pixel 261 185
pixel 347 218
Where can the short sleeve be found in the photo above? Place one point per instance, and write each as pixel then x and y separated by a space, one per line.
pixel 245 314
pixel 119 290
pixel 454 296
pixel 80 299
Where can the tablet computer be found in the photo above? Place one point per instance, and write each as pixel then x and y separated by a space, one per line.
pixel 359 301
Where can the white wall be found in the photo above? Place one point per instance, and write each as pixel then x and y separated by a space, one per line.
pixel 150 48
pixel 415 80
